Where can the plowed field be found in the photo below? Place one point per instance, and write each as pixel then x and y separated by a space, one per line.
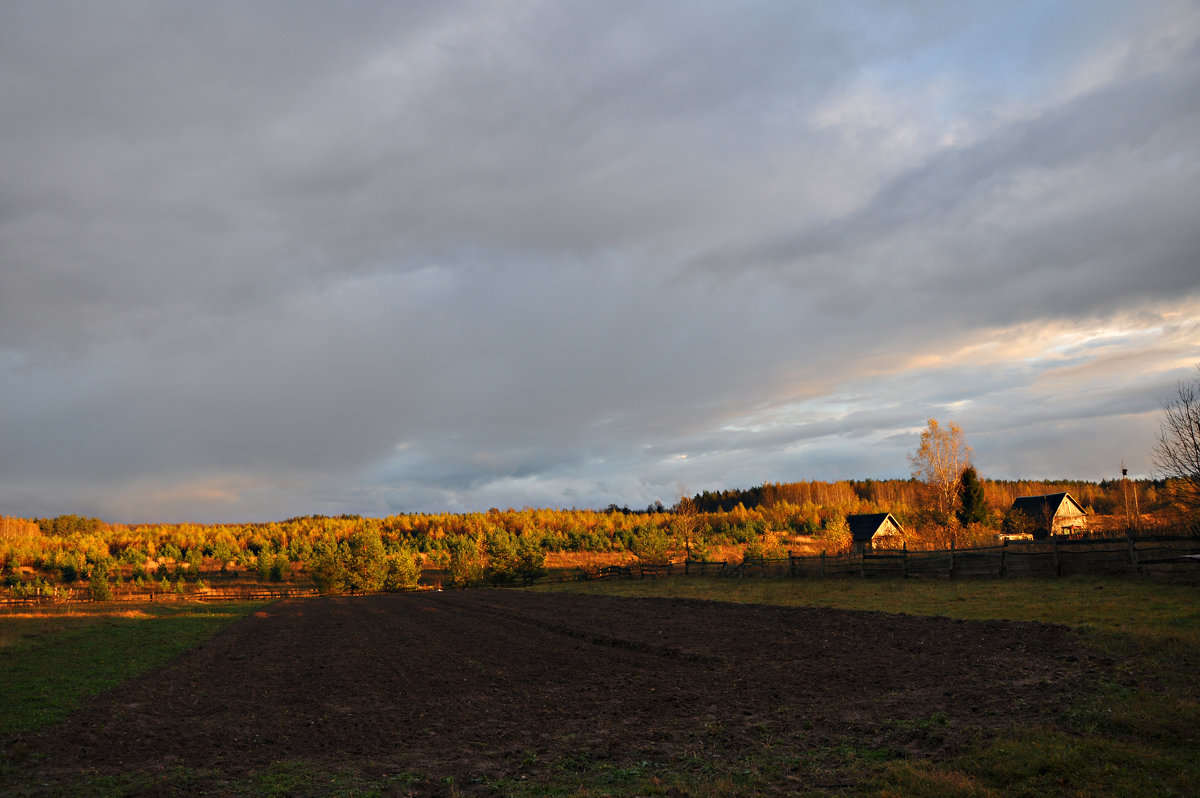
pixel 474 692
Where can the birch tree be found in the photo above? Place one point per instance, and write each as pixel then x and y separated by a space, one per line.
pixel 686 524
pixel 1176 454
pixel 939 462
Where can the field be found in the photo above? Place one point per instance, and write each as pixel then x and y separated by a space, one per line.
pixel 491 692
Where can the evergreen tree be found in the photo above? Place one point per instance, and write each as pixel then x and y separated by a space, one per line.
pixel 972 504
pixel 466 564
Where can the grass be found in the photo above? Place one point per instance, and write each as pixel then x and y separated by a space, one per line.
pixel 1122 606
pixel 52 659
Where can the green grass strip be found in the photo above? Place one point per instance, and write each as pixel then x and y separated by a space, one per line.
pixel 52 660
pixel 1121 605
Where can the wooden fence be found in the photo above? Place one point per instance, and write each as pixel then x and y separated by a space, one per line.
pixel 1056 557
pixel 79 595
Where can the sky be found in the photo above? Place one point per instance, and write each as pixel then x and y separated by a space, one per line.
pixel 267 259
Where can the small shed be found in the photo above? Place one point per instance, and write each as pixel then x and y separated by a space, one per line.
pixel 1052 514
pixel 875 529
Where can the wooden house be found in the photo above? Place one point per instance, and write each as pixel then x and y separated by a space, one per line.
pixel 875 530
pixel 1052 514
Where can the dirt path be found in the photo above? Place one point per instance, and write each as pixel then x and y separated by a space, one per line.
pixel 487 685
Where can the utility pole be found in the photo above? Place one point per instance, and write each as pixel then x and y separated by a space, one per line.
pixel 1137 512
pixel 1131 521
pixel 1125 493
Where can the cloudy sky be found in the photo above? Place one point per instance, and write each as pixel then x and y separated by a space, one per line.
pixel 263 259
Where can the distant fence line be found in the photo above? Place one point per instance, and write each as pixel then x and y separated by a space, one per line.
pixel 80 595
pixel 1050 558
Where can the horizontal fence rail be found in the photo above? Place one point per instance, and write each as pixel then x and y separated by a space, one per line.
pixel 1051 558
pixel 1015 558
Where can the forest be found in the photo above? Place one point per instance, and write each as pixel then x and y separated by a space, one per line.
pixel 351 553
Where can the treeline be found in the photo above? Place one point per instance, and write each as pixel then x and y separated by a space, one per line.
pixel 902 495
pixel 352 553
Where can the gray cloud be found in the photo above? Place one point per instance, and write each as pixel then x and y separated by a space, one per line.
pixel 264 260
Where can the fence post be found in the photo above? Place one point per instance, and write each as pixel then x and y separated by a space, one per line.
pixel 951 558
pixel 1003 549
pixel 1057 561
pixel 1133 558
pixel 904 560
pixel 822 563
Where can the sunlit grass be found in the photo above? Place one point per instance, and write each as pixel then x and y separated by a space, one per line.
pixel 1127 606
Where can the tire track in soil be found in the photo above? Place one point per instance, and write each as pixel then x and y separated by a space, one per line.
pixel 485 682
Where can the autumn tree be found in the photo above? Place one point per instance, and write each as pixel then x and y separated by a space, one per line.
pixel 1176 454
pixel 687 526
pixel 939 462
pixel 836 533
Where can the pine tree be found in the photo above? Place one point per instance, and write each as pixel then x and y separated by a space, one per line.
pixel 972 504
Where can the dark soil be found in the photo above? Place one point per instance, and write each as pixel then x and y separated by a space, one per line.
pixel 487 687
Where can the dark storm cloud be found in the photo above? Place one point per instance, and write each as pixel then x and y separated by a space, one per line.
pixel 265 259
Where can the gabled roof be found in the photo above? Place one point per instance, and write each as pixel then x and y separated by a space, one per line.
pixel 863 527
pixel 1034 506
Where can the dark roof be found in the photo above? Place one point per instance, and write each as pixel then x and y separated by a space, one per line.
pixel 1034 506
pixel 863 527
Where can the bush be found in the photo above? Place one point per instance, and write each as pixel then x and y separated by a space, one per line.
pixel 404 570
pixel 279 567
pixel 1017 522
pixel 466 565
pixel 263 563
pixel 502 559
pixel 365 560
pixel 358 564
pixel 98 587
pixel 531 559
pixel 651 545
pixel 326 567
pixel 701 550
pixel 836 534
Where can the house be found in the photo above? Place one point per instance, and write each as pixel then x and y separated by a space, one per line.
pixel 873 530
pixel 1052 514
